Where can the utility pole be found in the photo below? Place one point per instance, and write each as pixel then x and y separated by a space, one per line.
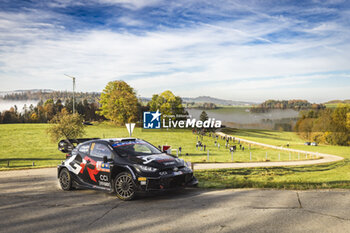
pixel 73 91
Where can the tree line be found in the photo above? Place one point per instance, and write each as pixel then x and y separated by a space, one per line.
pixel 329 126
pixel 205 105
pixel 55 95
pixel 43 112
pixel 118 102
pixel 286 104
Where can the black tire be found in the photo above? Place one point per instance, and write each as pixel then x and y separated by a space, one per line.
pixel 65 179
pixel 124 186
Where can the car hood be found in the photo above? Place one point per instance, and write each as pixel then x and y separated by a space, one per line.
pixel 158 161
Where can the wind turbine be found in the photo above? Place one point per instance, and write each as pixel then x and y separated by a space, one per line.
pixel 73 91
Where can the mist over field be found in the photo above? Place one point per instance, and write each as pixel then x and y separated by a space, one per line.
pixel 243 118
pixel 7 104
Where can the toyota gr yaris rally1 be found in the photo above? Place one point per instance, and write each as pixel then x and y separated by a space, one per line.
pixel 122 165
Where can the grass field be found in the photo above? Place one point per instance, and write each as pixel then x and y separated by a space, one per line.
pixel 23 144
pixel 323 176
pixel 282 138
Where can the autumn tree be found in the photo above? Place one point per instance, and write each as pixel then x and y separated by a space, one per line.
pixel 119 103
pixel 66 126
pixel 330 126
pixel 167 103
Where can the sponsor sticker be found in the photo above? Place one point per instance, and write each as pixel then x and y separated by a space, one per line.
pixel 103 167
pixel 103 183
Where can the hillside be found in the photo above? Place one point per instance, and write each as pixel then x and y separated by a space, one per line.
pixel 45 94
pixel 208 99
pixel 338 102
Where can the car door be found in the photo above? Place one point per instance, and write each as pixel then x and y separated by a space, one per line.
pixel 84 162
pixel 75 163
pixel 99 172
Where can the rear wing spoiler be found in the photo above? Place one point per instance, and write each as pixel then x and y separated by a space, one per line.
pixel 67 145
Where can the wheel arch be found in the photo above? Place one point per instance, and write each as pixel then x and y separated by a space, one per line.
pixel 59 169
pixel 119 169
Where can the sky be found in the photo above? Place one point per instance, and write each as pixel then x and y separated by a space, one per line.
pixel 244 50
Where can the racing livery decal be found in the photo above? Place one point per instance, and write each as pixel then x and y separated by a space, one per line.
pixel 157 158
pixel 133 165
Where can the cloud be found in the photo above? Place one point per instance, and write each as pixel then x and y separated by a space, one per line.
pixel 237 57
pixel 131 4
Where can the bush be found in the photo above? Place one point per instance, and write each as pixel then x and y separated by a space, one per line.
pixel 66 126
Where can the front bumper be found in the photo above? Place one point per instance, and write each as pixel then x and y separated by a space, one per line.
pixel 168 182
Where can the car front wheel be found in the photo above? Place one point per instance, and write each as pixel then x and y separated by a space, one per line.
pixel 65 179
pixel 124 186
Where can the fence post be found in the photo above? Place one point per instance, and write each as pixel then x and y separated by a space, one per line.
pixel 232 156
pixel 8 163
pixel 266 155
pixel 207 155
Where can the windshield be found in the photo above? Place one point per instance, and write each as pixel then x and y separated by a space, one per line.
pixel 135 148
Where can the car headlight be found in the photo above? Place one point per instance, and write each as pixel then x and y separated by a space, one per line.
pixel 146 168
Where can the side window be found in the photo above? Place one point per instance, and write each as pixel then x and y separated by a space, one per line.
pixel 100 150
pixel 84 148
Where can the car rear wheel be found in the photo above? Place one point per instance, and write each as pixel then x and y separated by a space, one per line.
pixel 65 179
pixel 124 186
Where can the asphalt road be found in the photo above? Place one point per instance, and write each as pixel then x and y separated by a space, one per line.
pixel 31 201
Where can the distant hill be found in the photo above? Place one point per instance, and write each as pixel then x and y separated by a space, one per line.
pixel 286 104
pixel 338 102
pixel 3 93
pixel 44 94
pixel 208 99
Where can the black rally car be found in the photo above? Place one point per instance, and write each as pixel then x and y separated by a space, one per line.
pixel 121 165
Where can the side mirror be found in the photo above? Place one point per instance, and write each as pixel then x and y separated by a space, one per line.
pixel 105 160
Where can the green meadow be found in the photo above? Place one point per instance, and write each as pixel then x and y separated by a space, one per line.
pixel 322 176
pixel 282 138
pixel 23 144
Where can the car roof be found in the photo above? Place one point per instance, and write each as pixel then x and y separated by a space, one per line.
pixel 111 141
pixel 116 140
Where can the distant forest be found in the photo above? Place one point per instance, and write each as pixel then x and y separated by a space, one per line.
pixel 338 102
pixel 90 97
pixel 43 112
pixel 286 104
